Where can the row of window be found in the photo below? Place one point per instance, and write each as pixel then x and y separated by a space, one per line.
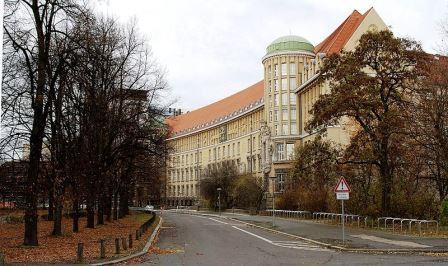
pixel 284 151
pixel 291 100
pixel 284 129
pixel 275 86
pixel 234 129
pixel 183 191
pixel 284 69
pixel 185 174
pixel 275 115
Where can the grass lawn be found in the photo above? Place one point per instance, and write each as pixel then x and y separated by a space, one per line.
pixel 63 248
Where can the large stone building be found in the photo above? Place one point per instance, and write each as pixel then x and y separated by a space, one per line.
pixel 258 128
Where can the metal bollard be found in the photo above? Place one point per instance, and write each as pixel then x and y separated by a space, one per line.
pixel 117 246
pixel 102 249
pixel 80 252
pixel 130 241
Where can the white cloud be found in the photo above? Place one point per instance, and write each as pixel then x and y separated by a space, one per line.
pixel 213 48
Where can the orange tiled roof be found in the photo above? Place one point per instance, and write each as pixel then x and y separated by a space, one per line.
pixel 336 40
pixel 221 108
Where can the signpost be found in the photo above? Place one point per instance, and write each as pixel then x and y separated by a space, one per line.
pixel 342 191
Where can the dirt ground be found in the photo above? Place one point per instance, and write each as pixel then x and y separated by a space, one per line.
pixel 63 248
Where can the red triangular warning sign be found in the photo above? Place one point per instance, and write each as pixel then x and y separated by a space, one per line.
pixel 342 186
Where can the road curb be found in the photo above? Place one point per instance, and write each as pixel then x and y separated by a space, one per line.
pixel 144 250
pixel 330 246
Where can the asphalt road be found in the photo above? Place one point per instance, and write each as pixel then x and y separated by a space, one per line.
pixel 199 240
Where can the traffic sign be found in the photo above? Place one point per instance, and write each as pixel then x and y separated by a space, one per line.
pixel 342 186
pixel 342 195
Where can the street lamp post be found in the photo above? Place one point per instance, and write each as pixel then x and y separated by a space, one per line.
pixel 219 200
pixel 273 178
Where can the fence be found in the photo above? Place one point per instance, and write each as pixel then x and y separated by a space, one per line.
pixel 120 244
pixel 409 221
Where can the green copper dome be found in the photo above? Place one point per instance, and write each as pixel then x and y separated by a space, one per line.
pixel 290 43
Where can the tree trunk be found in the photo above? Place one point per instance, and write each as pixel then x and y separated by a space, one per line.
pixel 115 211
pixel 50 203
pixel 90 212
pixel 124 208
pixel 75 216
pixel 108 207
pixel 100 212
pixel 31 216
pixel 57 224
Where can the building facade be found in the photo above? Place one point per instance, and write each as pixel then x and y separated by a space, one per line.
pixel 258 128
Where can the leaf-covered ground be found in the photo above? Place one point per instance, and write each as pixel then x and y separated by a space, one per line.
pixel 63 248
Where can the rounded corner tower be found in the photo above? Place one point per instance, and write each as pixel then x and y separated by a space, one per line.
pixel 288 62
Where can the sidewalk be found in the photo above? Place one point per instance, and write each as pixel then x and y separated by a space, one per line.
pixel 356 238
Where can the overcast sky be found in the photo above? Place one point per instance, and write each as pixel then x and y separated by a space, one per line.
pixel 213 48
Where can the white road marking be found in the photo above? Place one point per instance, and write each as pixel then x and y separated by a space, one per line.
pixel 285 244
pixel 217 221
pixel 393 242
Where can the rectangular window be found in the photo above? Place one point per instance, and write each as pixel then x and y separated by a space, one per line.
pixel 209 155
pixel 275 115
pixel 285 129
pixel 290 151
pixel 219 152
pixel 270 116
pixel 214 154
pixel 285 114
pixel 284 85
pixel 275 70
pixel 292 68
pixel 281 178
pixel 292 98
pixel 284 71
pixel 275 99
pixel 238 148
pixel 293 114
pixel 292 84
pixel 224 152
pixel 233 149
pixel 280 147
pixel 270 86
pixel 293 128
pixel 276 130
pixel 285 99
pixel 248 145
pixel 276 85
pixel 228 150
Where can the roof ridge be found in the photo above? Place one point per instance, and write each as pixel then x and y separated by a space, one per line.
pixel 334 43
pixel 218 109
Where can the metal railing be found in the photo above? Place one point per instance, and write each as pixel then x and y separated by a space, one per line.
pixel 290 214
pixel 410 221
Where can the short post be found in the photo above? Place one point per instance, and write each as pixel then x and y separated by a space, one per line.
pixel 80 252
pixel 137 237
pixel 102 249
pixel 219 200
pixel 130 241
pixel 2 259
pixel 420 228
pixel 117 246
pixel 123 243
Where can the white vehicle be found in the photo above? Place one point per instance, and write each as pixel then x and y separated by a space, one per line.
pixel 149 208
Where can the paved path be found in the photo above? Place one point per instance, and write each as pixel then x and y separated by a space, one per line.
pixel 356 237
pixel 198 240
